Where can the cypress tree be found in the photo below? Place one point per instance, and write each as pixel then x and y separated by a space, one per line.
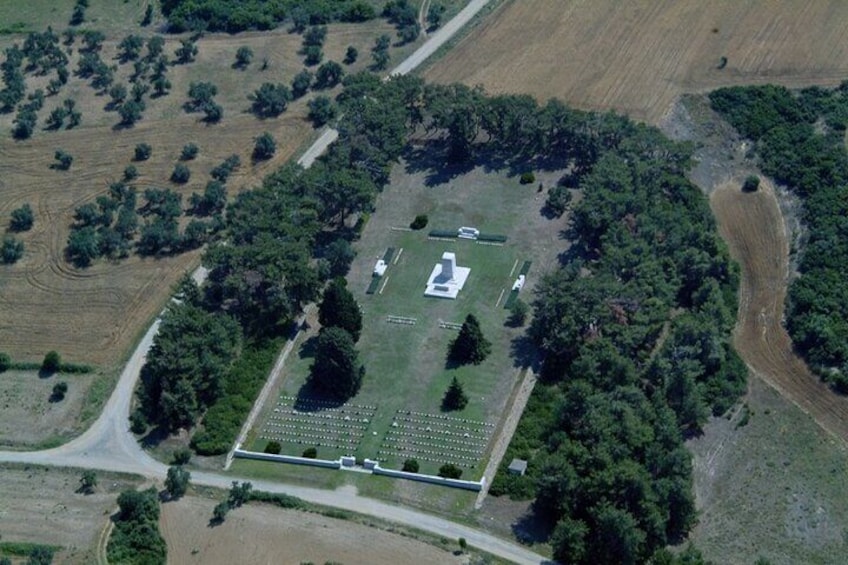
pixel 469 346
pixel 339 309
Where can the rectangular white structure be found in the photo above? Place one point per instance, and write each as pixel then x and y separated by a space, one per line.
pixel 446 279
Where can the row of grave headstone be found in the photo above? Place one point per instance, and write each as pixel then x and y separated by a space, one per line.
pixel 416 440
pixel 412 414
pixel 431 457
pixel 307 442
pixel 419 446
pixel 353 425
pixel 310 437
pixel 299 400
pixel 286 407
pixel 306 431
pixel 464 432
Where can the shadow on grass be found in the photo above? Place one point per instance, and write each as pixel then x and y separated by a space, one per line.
pixel 307 349
pixel 533 527
pixel 310 399
pixel 524 352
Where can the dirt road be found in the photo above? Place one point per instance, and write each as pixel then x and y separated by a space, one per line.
pixel 753 227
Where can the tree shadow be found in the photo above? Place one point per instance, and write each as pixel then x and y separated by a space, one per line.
pixel 310 399
pixel 307 349
pixel 431 157
pixel 532 528
pixel 154 437
pixel 524 353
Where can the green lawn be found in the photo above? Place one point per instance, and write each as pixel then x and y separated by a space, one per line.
pixel 406 363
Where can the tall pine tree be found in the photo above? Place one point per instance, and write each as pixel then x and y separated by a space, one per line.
pixel 339 309
pixel 455 398
pixel 469 346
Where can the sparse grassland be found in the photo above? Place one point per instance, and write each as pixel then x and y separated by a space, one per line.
pixel 771 488
pixel 637 57
pixel 42 505
pixel 262 533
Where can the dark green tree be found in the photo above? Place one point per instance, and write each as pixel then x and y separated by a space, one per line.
pixel 186 52
pixel 328 75
pixel 189 152
pixel 336 371
pixel 52 362
pixel 177 481
pixel 455 397
pixel 181 174
pixel 142 152
pixel 469 346
pixel 351 55
pixel 244 55
pixel 301 83
pixel 22 218
pixel 450 471
pixel 339 309
pixel 264 147
pixel 322 110
pixel 88 481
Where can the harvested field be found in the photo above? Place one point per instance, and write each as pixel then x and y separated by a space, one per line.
pixel 638 57
pixel 266 534
pixel 753 227
pixel 41 505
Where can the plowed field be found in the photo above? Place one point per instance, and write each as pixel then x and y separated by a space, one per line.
pixel 637 57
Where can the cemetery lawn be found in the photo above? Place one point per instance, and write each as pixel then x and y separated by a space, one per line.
pixel 405 364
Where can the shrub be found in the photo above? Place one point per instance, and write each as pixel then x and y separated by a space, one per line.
pixel 450 471
pixel 528 177
pixel 181 174
pixel 63 160
pixel 59 391
pixel 142 152
pixel 310 453
pixel 410 466
pixel 559 197
pixel 138 423
pixel 518 313
pixel 420 222
pixel 12 250
pixel 22 218
pixel 351 55
pixel 182 456
pixel 5 362
pixel 273 448
pixel 244 56
pixel 189 152
pixel 52 362
pixel 130 172
pixel 751 184
pixel 265 147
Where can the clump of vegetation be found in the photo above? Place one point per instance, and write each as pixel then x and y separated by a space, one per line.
pixel 469 346
pixel 88 482
pixel 450 471
pixel 336 371
pixel 310 453
pixel 410 466
pixel 455 397
pixel 518 312
pixel 142 152
pixel 22 218
pixel 63 160
pixel 244 56
pixel 528 177
pixel 322 110
pixel 136 538
pixel 339 309
pixel 751 184
pixel 12 250
pixel 52 362
pixel 189 152
pixel 181 174
pixel 273 447
pixel 420 222
pixel 264 147
pixel 130 173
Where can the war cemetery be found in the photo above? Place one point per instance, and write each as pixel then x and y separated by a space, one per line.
pixel 415 287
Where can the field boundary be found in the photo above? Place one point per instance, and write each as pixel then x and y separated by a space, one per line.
pixel 370 466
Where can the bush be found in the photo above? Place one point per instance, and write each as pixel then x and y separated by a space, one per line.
pixel 189 152
pixel 5 362
pixel 22 218
pixel 130 172
pixel 138 423
pixel 182 456
pixel 420 222
pixel 181 174
pixel 12 250
pixel 310 453
pixel 63 160
pixel 273 448
pixel 528 177
pixel 59 391
pixel 559 197
pixel 52 362
pixel 244 56
pixel 450 471
pixel 518 313
pixel 751 184
pixel 410 466
pixel 142 152
pixel 265 147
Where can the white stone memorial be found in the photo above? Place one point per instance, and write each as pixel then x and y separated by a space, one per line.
pixel 519 283
pixel 380 268
pixel 446 279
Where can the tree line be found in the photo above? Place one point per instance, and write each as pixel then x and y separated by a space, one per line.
pixel 799 140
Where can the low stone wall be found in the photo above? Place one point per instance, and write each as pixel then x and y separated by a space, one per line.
pixel 326 463
pixel 370 465
pixel 432 479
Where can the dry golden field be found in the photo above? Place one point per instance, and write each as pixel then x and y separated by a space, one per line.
pixel 637 57
pixel 94 315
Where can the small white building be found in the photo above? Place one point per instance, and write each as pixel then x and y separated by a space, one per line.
pixel 517 467
pixel 519 283
pixel 380 268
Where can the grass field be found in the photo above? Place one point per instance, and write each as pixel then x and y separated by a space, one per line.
pixel 406 364
pixel 637 57
pixel 772 488
pixel 41 505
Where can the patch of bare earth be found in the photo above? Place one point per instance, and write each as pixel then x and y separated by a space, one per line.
pixel 638 57
pixel 266 534
pixel 753 227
